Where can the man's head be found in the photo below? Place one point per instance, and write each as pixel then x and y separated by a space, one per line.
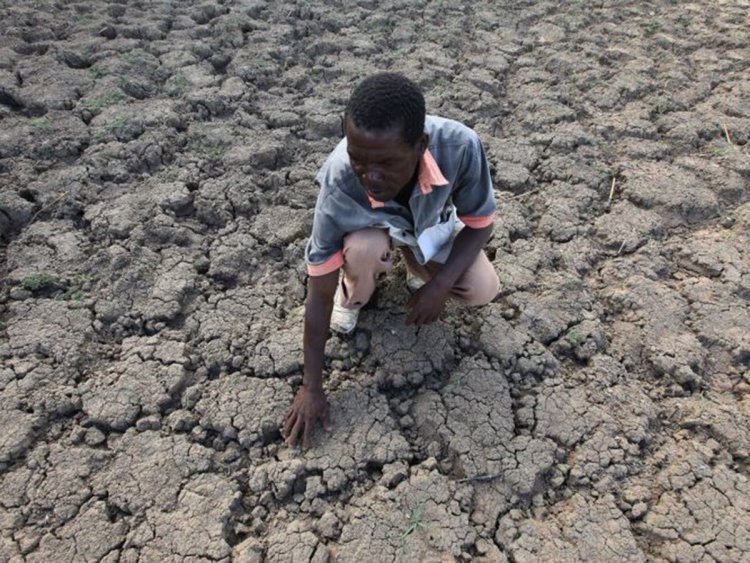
pixel 384 128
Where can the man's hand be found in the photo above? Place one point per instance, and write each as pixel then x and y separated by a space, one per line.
pixel 310 406
pixel 427 303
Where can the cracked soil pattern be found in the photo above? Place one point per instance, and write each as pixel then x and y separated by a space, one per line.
pixel 157 163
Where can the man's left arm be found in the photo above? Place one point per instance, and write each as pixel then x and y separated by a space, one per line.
pixel 428 301
pixel 474 199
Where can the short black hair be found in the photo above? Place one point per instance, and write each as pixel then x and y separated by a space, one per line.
pixel 388 99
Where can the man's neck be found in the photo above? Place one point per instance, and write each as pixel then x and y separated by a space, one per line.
pixel 404 195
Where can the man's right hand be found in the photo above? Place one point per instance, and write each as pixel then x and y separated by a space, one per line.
pixel 310 406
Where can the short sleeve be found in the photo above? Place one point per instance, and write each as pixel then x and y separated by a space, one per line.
pixel 324 252
pixel 473 193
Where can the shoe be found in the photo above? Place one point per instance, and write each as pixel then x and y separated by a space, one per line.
pixel 413 281
pixel 343 320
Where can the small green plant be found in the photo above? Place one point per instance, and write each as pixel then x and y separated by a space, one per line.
pixel 179 84
pixel 96 104
pixel 653 26
pixel 114 126
pixel 77 291
pixel 169 176
pixel 723 150
pixel 97 71
pixel 684 20
pixel 574 337
pixel 661 105
pixel 206 148
pixel 131 58
pixel 42 124
pixel 38 282
pixel 415 522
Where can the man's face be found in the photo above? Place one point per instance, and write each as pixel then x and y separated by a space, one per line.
pixel 383 161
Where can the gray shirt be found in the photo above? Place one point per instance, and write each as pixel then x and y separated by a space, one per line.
pixel 453 189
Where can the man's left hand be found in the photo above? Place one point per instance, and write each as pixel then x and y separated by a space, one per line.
pixel 427 303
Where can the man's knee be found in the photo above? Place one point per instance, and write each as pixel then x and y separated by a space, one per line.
pixel 367 246
pixel 482 289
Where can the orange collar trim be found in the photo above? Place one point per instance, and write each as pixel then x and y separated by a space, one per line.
pixel 429 173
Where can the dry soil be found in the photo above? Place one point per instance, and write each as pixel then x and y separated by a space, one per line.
pixel 157 163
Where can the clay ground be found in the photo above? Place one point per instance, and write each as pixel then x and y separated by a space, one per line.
pixel 157 163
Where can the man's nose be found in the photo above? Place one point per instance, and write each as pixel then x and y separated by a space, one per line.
pixel 372 176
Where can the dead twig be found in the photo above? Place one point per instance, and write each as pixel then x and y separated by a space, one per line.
pixel 611 191
pixel 726 134
pixel 524 194
pixel 486 477
pixel 49 206
pixel 735 148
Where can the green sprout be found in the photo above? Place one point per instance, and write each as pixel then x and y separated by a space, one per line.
pixel 42 124
pixel 97 71
pixel 38 282
pixel 415 522
pixel 574 337
pixel 179 84
pixel 653 26
pixel 114 126
pixel 95 104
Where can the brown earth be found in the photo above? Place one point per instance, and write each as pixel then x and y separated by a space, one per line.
pixel 157 165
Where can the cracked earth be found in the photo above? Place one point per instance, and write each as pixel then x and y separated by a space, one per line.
pixel 157 165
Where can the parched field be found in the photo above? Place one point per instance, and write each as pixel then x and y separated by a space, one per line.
pixel 157 163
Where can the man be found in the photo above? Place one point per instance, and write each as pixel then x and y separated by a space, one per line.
pixel 400 179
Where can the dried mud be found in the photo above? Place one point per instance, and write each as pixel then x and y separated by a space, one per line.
pixel 157 165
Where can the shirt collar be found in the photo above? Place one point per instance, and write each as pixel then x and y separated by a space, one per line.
pixel 429 175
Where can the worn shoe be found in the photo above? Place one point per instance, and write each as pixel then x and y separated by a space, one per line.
pixel 343 320
pixel 413 281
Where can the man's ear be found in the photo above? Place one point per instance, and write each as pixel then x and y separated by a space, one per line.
pixel 423 143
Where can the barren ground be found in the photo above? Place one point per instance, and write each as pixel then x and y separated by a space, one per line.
pixel 157 164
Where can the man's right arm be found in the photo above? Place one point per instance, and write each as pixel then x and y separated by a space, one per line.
pixel 310 405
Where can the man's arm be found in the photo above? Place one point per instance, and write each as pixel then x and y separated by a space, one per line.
pixel 428 302
pixel 310 405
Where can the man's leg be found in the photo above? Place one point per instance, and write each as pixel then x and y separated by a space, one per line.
pixel 478 285
pixel 367 255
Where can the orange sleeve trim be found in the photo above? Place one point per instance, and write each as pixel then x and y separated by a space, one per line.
pixel 330 265
pixel 477 222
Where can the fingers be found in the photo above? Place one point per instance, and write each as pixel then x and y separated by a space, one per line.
pixel 300 424
pixel 289 421
pixel 296 429
pixel 410 318
pixel 306 435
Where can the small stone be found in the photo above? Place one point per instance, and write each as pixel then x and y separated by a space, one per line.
pixel 94 436
pixel 108 32
pixel 231 455
pixel 152 422
pixel 77 435
pixel 314 487
pixel 202 265
pixel 639 509
pixel 259 512
pixel 394 473
pixel 430 463
pixel 181 421
pixel 19 294
pixel 328 525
